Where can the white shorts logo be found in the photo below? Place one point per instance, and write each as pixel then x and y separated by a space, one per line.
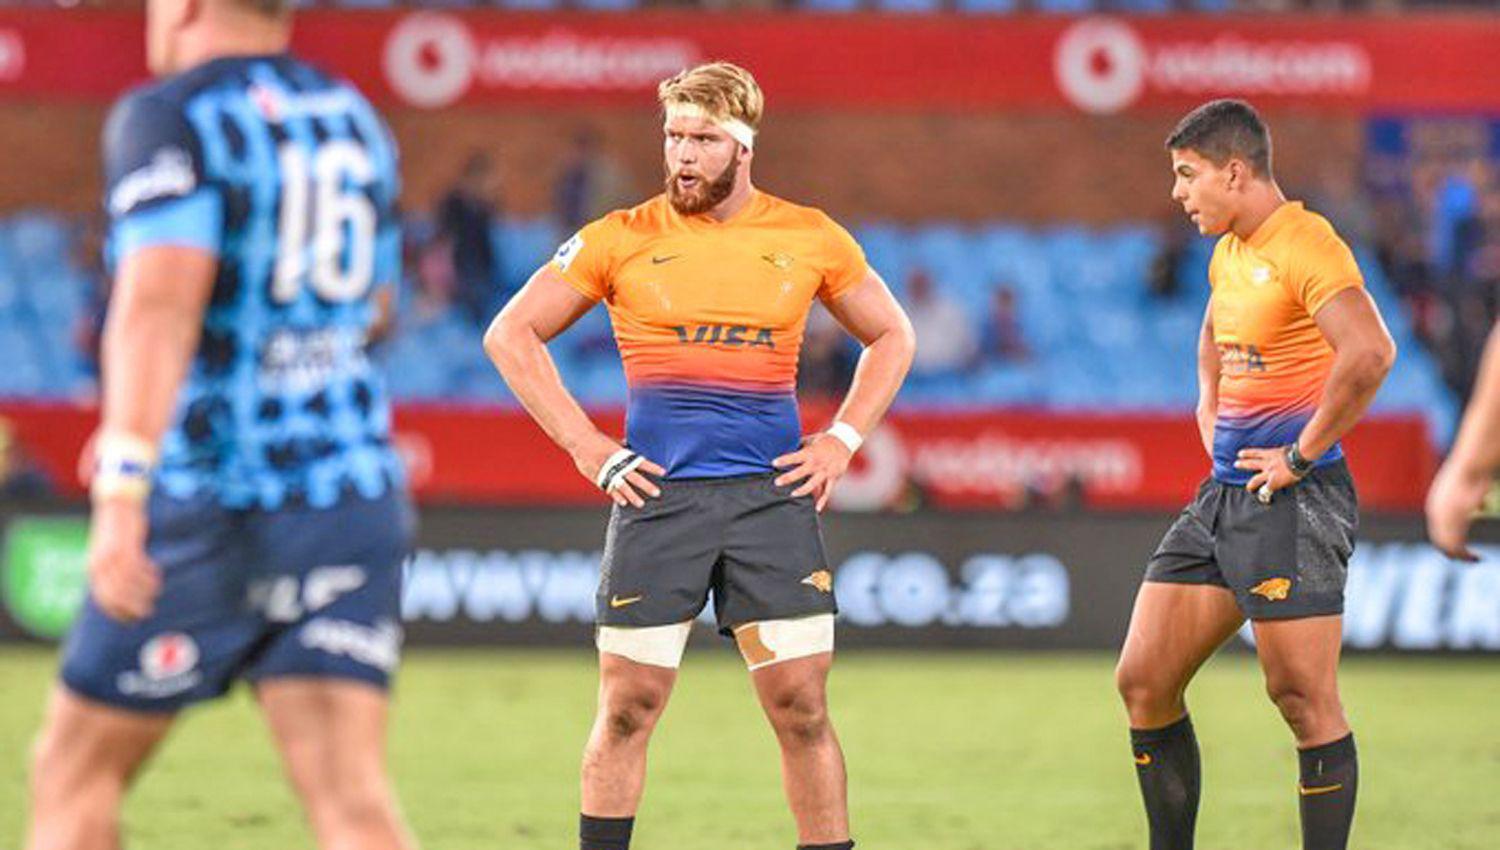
pixel 1101 65
pixel 168 667
pixel 171 654
pixel 430 59
pixel 169 174
pixel 377 646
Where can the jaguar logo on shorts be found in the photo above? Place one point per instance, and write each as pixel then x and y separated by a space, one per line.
pixel 822 580
pixel 1273 589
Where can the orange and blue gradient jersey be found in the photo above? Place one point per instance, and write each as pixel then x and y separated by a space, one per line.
pixel 708 317
pixel 1273 359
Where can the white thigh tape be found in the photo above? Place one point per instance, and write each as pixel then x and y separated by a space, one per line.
pixel 773 641
pixel 659 646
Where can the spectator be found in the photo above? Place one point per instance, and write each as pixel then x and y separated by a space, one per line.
pixel 946 341
pixel 1164 276
pixel 466 218
pixel 20 477
pixel 1341 198
pixel 591 183
pixel 1002 340
pixel 827 364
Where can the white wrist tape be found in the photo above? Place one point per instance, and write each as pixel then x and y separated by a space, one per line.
pixel 614 470
pixel 123 464
pixel 846 434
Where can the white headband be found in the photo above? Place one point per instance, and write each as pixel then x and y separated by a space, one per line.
pixel 737 129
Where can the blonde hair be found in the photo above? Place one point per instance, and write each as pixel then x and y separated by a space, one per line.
pixel 722 89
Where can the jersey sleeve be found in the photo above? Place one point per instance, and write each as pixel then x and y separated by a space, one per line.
pixel 1327 268
pixel 156 190
pixel 845 264
pixel 586 261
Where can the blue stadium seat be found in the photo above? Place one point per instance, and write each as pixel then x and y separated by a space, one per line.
pixel 1065 7
pixel 909 6
pixel 831 5
pixel 524 244
pixel 988 7
pixel 1147 7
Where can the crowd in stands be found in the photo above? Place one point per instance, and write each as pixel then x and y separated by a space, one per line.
pixel 1060 317
pixel 1432 208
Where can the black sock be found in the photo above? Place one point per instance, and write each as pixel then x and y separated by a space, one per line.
pixel 840 845
pixel 1330 776
pixel 604 833
pixel 1166 763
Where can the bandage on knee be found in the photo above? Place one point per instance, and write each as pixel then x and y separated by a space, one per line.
pixel 770 642
pixel 659 646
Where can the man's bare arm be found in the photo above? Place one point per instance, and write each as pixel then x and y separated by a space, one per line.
pixel 1208 381
pixel 1467 474
pixel 1363 356
pixel 870 313
pixel 152 329
pixel 516 343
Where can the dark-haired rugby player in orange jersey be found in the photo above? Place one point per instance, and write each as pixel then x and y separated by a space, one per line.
pixel 708 288
pixel 1291 354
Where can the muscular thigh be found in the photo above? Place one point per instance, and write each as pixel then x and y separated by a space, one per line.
pixel 1175 628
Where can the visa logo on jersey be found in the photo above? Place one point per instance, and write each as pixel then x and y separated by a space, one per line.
pixel 732 335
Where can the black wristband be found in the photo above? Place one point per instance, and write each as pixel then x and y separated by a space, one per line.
pixel 1298 464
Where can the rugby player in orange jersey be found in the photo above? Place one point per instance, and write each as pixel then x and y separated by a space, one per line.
pixel 708 288
pixel 1291 354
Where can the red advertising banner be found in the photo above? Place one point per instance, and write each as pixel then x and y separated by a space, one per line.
pixel 1094 64
pixel 964 460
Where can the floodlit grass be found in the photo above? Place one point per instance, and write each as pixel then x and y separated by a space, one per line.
pixel 956 751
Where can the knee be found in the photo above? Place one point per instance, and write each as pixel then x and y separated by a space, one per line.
pixel 628 715
pixel 354 803
pixel 1144 690
pixel 1301 705
pixel 799 718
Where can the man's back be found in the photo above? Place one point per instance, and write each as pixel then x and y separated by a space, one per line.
pixel 290 178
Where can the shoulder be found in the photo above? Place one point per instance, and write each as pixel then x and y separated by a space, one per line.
pixel 1310 228
pixel 1312 245
pixel 642 221
pixel 141 109
pixel 802 215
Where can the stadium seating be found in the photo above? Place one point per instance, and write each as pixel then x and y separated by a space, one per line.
pixel 1097 337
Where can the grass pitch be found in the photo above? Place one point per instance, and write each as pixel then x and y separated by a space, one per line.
pixel 965 751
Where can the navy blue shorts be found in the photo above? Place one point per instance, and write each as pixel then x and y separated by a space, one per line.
pixel 253 595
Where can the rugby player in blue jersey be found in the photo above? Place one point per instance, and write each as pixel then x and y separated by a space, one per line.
pixel 249 514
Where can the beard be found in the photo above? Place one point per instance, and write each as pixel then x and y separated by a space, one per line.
pixel 705 195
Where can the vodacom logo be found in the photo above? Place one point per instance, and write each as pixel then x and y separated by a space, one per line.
pixel 12 55
pixel 430 59
pixel 1101 65
pixel 1105 65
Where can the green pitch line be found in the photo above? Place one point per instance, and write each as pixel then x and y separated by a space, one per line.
pixel 946 752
